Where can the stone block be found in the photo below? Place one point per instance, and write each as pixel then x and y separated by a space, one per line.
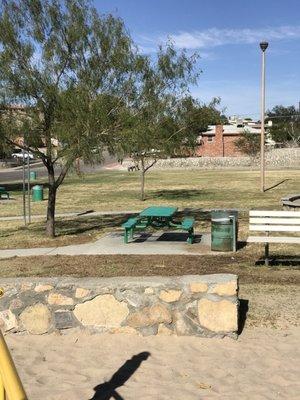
pixel 43 288
pixel 102 311
pixel 149 290
pixel 133 298
pixel 225 289
pixel 8 321
pixel 218 316
pixel 25 286
pixel 63 319
pixel 149 316
pixel 170 296
pixel 36 319
pixel 15 304
pixel 127 330
pixel 57 299
pixel 80 293
pixel 181 327
pixel 198 287
pixel 164 331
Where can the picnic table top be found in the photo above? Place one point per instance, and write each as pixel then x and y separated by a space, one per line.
pixel 158 211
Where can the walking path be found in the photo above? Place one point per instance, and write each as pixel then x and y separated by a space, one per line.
pixel 71 214
pixel 112 243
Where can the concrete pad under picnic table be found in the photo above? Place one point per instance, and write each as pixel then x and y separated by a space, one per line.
pixel 154 243
pixel 113 243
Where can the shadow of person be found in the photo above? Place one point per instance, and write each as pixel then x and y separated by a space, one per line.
pixel 107 390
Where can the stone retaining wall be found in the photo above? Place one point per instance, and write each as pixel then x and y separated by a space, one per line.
pixel 192 305
pixel 284 157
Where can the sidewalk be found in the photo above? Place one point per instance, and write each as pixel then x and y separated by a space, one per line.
pixel 72 214
pixel 171 243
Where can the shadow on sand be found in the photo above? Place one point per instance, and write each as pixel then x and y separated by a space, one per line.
pixel 107 390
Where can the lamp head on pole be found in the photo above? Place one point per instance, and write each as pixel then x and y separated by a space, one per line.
pixel 264 46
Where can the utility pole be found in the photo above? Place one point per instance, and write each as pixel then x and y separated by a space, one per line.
pixel 28 188
pixel 263 46
pixel 24 188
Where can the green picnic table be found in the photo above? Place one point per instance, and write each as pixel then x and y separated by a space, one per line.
pixel 158 217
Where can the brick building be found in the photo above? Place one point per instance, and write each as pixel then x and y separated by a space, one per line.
pixel 219 140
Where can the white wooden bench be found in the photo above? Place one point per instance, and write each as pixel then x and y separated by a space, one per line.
pixel 274 222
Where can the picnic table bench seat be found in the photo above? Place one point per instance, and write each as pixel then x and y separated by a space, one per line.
pixel 130 223
pixel 188 225
pixel 129 226
pixel 274 222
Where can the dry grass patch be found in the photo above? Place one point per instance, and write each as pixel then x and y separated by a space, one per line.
pixel 270 305
pixel 13 234
pixel 137 265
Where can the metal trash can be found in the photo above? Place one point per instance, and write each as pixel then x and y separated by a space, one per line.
pixel 37 193
pixel 33 175
pixel 224 230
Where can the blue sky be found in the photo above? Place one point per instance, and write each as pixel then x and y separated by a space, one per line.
pixel 226 34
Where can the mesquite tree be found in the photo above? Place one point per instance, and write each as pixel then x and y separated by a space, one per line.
pixel 69 68
pixel 169 126
pixel 154 129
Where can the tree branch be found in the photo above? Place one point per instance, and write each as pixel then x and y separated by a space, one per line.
pixel 26 148
pixel 150 166
pixel 63 173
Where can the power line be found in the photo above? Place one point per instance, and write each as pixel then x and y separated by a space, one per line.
pixel 268 116
pixel 283 116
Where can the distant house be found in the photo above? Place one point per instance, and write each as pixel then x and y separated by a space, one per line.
pixel 219 140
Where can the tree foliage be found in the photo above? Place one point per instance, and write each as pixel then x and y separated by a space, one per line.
pixel 248 143
pixel 165 124
pixel 66 65
pixel 285 124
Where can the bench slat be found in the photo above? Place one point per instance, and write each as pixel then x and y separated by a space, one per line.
pixel 273 239
pixel 284 221
pixel 274 228
pixel 266 213
pixel 130 223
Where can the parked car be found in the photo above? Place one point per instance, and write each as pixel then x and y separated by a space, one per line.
pixel 18 153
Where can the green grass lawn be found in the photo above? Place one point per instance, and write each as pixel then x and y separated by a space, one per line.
pixel 116 191
pixel 111 190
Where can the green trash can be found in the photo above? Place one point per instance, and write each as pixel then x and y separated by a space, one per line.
pixel 224 230
pixel 33 175
pixel 37 193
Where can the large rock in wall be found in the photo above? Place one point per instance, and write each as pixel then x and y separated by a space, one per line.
pixel 195 305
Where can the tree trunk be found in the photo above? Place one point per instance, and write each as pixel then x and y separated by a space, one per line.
pixel 50 224
pixel 142 180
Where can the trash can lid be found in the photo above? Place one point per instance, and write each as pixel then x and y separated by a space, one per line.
pixel 37 187
pixel 220 219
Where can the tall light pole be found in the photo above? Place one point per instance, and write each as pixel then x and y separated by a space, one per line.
pixel 263 46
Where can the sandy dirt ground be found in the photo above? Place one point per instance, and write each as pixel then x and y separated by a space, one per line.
pixel 262 364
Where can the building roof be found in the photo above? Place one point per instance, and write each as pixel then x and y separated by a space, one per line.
pixel 231 130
